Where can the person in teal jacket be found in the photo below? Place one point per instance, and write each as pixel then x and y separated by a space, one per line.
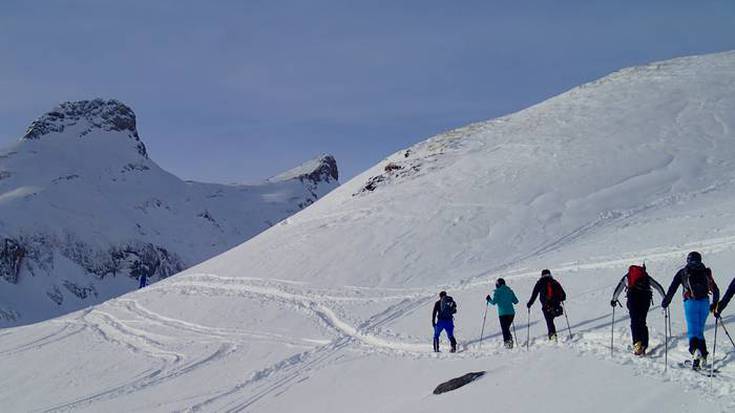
pixel 504 298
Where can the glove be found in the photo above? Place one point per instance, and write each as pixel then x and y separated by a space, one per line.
pixel 433 324
pixel 528 305
pixel 665 303
pixel 717 313
pixel 487 298
pixel 713 308
pixel 613 302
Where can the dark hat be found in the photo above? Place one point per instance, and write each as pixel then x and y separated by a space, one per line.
pixel 442 294
pixel 500 282
pixel 545 272
pixel 694 257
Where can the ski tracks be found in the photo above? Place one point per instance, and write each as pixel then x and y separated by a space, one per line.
pixel 158 336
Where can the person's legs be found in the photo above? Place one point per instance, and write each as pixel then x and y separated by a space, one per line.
pixel 696 312
pixel 505 322
pixel 449 326
pixel 638 308
pixel 549 323
pixel 703 308
pixel 438 327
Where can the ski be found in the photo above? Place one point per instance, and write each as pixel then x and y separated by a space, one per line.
pixel 704 370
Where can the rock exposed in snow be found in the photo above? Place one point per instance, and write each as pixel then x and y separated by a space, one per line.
pixel 458 382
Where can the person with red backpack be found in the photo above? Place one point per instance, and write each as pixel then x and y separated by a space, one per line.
pixel 551 295
pixel 697 283
pixel 637 284
pixel 442 318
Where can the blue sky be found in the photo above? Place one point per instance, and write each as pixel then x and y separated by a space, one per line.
pixel 237 91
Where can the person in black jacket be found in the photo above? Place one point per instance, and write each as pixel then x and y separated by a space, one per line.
pixel 551 296
pixel 725 299
pixel 442 318
pixel 697 284
pixel 637 284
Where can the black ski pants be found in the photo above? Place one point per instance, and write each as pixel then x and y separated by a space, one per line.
pixel 638 309
pixel 505 323
pixel 549 317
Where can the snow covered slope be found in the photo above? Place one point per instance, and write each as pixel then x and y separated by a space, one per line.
pixel 84 212
pixel 329 310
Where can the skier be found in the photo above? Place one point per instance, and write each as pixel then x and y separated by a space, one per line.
pixel 442 318
pixel 143 281
pixel 697 283
pixel 637 284
pixel 551 295
pixel 504 297
pixel 725 299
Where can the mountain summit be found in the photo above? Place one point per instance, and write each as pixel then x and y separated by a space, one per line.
pixel 84 116
pixel 85 213
pixel 320 169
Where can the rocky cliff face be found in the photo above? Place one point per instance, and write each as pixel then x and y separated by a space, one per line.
pixel 98 114
pixel 84 211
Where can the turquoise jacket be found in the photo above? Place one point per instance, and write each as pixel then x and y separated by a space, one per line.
pixel 504 297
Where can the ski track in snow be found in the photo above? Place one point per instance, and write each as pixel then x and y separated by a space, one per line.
pixel 154 335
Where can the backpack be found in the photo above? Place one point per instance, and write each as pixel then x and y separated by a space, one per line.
pixel 639 283
pixel 447 307
pixel 635 275
pixel 553 298
pixel 696 282
pixel 553 291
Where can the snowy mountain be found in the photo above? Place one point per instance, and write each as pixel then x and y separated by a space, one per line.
pixel 329 310
pixel 84 212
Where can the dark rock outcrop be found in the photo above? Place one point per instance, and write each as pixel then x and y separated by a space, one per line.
pixel 458 382
pixel 108 115
pixel 11 259
pixel 325 172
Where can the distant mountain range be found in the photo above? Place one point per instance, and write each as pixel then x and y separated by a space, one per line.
pixel 85 212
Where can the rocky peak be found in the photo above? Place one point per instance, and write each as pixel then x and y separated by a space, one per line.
pixel 325 169
pixel 107 115
pixel 320 169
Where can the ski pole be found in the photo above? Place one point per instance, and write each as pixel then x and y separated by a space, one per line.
pixel 482 332
pixel 666 335
pixel 714 352
pixel 515 337
pixel 612 332
pixel 528 330
pixel 567 317
pixel 726 332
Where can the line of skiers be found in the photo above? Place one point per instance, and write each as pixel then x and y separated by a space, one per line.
pixel 695 279
pixel 548 290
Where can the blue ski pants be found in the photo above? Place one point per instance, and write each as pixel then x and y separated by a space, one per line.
pixel 447 325
pixel 696 312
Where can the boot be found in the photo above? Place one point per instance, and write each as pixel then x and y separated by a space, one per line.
pixel 552 337
pixel 436 345
pixel 639 349
pixel 509 344
pixel 697 360
pixel 454 345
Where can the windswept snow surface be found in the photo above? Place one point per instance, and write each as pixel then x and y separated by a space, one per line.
pixel 329 310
